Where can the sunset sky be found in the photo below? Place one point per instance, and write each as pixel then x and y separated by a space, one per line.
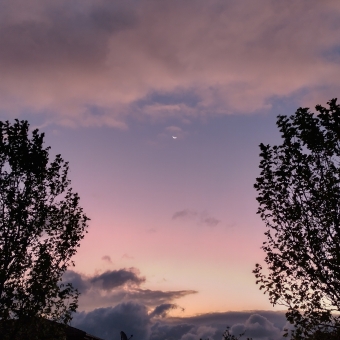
pixel 174 235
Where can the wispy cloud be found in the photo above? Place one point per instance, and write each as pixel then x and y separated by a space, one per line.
pixel 107 259
pixel 203 218
pixel 113 287
pixel 94 63
pixel 184 214
pixel 210 221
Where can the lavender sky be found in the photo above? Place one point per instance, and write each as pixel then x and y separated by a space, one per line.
pixel 174 234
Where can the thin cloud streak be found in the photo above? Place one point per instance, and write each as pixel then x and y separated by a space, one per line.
pixel 107 259
pixel 95 63
pixel 202 218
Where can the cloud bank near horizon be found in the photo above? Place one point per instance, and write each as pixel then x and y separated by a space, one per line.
pixel 114 301
pixel 134 319
pixel 95 63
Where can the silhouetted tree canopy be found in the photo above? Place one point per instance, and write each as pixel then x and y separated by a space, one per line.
pixel 299 201
pixel 41 225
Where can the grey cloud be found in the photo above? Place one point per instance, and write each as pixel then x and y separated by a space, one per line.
pixel 106 323
pixel 91 62
pixel 109 288
pixel 133 318
pixel 169 332
pixel 105 281
pixel 94 298
pixel 113 16
pixel 76 280
pixel 217 319
pixel 162 310
pixel 63 34
pixel 115 278
pixel 258 327
pixel 158 297
pixel 186 213
pixel 201 332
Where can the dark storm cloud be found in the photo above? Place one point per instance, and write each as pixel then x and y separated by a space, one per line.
pixel 116 278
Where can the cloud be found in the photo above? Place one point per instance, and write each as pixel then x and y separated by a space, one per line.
pixel 106 281
pixel 95 63
pixel 106 323
pixel 117 286
pixel 158 297
pixel 258 327
pixel 162 310
pixel 116 278
pixel 202 218
pixel 201 332
pixel 170 332
pixel 114 301
pixel 184 214
pixel 107 259
pixel 133 318
pixel 76 280
pixel 95 298
pixel 127 257
pixel 210 221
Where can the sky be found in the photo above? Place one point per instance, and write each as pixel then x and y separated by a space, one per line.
pixel 174 234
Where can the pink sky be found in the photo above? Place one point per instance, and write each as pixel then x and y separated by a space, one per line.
pixel 110 83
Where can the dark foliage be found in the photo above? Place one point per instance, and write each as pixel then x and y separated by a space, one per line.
pixel 227 336
pixel 41 225
pixel 299 201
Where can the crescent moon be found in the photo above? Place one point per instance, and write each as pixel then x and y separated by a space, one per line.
pixel 174 137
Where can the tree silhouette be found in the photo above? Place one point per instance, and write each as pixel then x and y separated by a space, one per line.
pixel 299 199
pixel 41 225
pixel 227 336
